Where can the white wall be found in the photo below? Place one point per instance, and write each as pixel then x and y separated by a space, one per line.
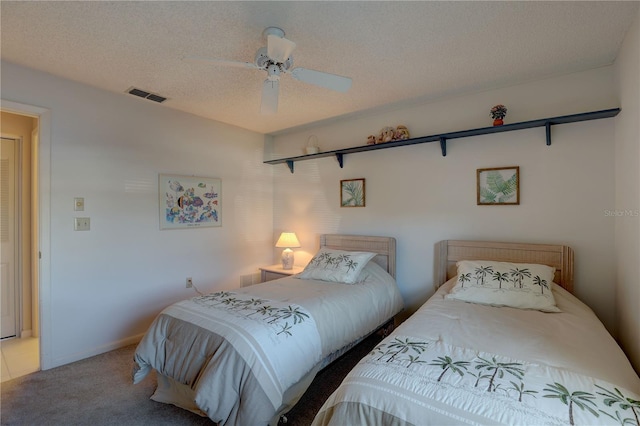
pixel 627 203
pixel 419 197
pixel 106 285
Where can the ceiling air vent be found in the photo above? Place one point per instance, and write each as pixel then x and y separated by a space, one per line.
pixel 146 95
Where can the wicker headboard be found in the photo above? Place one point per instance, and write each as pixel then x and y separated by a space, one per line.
pixel 385 247
pixel 448 252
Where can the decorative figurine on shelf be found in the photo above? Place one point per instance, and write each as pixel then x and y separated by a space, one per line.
pixel 312 145
pixel 498 113
pixel 389 134
pixel 386 135
pixel 401 133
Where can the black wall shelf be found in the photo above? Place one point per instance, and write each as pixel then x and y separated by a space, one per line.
pixel 443 137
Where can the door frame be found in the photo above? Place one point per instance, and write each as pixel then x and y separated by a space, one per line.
pixel 17 237
pixel 43 175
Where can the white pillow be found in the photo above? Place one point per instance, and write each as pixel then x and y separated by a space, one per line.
pixel 517 285
pixel 336 265
pixel 374 272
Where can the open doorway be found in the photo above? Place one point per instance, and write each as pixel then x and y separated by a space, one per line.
pixel 19 266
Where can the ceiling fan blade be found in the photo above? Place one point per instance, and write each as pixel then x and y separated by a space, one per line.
pixel 223 62
pixel 322 79
pixel 270 89
pixel 279 48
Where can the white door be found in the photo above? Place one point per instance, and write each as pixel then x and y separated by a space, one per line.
pixel 8 240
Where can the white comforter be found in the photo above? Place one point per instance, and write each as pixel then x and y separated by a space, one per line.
pixel 279 340
pixel 459 363
pixel 243 357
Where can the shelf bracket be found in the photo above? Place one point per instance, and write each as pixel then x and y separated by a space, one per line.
pixel 290 164
pixel 340 159
pixel 443 145
pixel 547 127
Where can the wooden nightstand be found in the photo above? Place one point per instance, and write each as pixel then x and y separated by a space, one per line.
pixel 273 272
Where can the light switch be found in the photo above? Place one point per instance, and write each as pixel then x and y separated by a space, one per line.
pixel 81 224
pixel 78 204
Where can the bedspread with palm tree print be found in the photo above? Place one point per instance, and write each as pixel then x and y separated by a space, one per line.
pixel 279 341
pixel 495 388
pixel 278 317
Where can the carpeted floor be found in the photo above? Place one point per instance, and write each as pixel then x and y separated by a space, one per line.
pixel 98 391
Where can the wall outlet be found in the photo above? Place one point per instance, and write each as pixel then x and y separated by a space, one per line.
pixel 189 283
pixel 81 224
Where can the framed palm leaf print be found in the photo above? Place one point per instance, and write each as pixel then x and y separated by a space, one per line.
pixel 352 193
pixel 499 186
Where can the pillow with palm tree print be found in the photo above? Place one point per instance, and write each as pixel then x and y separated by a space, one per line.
pixel 517 285
pixel 336 265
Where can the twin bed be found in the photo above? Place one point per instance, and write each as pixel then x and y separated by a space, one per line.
pixel 524 351
pixel 245 357
pixel 455 362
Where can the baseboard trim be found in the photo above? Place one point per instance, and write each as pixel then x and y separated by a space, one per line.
pixel 97 351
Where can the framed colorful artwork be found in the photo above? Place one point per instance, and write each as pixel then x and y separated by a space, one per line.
pixel 498 186
pixel 352 193
pixel 189 201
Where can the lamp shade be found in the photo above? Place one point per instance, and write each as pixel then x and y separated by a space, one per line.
pixel 288 240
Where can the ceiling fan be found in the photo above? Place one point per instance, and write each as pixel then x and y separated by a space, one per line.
pixel 276 60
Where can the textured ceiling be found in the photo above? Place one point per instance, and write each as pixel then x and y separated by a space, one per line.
pixel 394 51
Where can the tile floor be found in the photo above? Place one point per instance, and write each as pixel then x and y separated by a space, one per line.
pixel 19 357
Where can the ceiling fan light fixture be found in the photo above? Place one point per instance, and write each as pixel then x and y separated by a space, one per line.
pixel 274 72
pixel 279 49
pixel 276 59
pixel 262 60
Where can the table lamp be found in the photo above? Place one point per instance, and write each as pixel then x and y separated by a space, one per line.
pixel 287 240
